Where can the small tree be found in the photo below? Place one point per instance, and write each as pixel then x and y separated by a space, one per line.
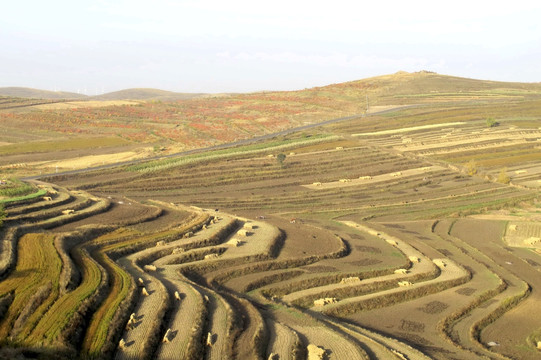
pixel 491 122
pixel 503 177
pixel 471 167
pixel 280 159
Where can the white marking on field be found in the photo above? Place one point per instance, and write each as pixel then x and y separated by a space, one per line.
pixel 408 129
pixel 373 179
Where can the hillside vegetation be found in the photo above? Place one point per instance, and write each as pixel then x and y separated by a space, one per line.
pixel 412 233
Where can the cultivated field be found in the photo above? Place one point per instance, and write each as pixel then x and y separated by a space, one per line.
pixel 409 234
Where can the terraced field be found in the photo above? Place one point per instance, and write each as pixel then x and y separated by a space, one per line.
pixel 388 236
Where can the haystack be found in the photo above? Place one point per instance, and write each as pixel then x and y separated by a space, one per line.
pixel 166 336
pixel 532 240
pixel 350 280
pixel 210 339
pixel 316 352
pixel 150 267
pixel 325 301
pixel 439 263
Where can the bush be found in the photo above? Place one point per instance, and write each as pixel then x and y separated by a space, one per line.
pixel 471 167
pixel 503 178
pixel 491 122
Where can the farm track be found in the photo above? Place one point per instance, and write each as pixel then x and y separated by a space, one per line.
pixel 138 340
pixel 185 323
pixel 282 341
pixel 219 326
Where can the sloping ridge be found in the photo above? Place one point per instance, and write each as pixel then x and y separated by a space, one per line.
pixel 145 94
pixel 23 92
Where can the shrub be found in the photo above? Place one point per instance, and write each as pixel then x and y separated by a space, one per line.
pixel 503 178
pixel 491 122
pixel 471 167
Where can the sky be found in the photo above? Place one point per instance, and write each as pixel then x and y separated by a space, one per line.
pixel 211 46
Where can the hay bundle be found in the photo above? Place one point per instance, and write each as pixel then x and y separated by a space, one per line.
pixel 316 352
pixel 150 267
pixel 244 232
pixel 166 336
pixel 177 250
pixel 439 263
pixel 210 339
pixel 325 301
pixel 532 240
pixel 350 280
pixel 235 242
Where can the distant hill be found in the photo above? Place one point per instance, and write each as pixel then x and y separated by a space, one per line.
pixel 398 88
pixel 145 94
pixel 23 92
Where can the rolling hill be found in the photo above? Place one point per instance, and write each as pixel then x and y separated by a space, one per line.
pixel 145 94
pixel 24 92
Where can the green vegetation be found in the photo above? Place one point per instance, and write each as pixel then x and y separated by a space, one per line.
pixel 23 198
pixel 491 122
pixel 503 178
pixel 471 167
pixel 277 145
pixel 280 158
pixel 37 265
pixel 15 188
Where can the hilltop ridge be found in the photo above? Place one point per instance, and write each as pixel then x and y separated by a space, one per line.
pixel 397 84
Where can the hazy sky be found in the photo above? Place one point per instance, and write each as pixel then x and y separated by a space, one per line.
pixel 238 46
